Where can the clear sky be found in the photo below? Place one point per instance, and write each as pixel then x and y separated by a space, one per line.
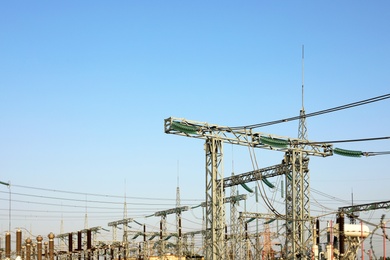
pixel 85 87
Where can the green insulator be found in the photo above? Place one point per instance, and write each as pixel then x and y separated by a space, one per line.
pixel 194 207
pixel 184 128
pixel 280 143
pixel 289 177
pixel 250 220
pixel 269 221
pixel 349 153
pixel 268 183
pixel 247 188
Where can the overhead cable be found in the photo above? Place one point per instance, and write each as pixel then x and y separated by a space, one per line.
pixel 325 111
pixel 96 194
pixel 352 140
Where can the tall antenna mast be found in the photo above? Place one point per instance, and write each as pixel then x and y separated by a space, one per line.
pixel 303 75
pixel 302 131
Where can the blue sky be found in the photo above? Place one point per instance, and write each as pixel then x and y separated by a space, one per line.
pixel 85 87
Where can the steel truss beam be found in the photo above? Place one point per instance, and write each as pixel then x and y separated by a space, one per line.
pixel 256 175
pixel 365 207
pixel 242 136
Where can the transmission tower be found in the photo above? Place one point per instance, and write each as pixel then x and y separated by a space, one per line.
pixel 125 228
pixel 298 221
pixel 179 242
pixel 215 136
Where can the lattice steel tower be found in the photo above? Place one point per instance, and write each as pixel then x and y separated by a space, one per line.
pixel 179 241
pixel 298 221
pixel 215 136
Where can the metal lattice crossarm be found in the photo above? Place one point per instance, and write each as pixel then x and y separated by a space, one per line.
pixel 92 229
pixel 194 233
pixel 255 215
pixel 365 207
pixel 120 222
pixel 171 211
pixel 61 236
pixel 256 175
pixel 245 137
pixel 229 199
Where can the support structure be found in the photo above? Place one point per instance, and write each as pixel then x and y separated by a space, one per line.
pixel 215 210
pixel 214 136
pixel 179 240
pixel 163 214
pixel 298 221
pixel 233 250
pixel 115 224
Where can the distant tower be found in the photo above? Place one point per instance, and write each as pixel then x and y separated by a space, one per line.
pixel 86 213
pixel 352 217
pixel 62 242
pixel 125 227
pixel 178 217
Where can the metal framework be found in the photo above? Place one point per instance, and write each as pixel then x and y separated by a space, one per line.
pixel 234 227
pixel 298 223
pixel 244 237
pixel 256 175
pixel 215 210
pixel 163 228
pixel 232 182
pixel 365 207
pixel 179 240
pixel 215 136
pixel 115 224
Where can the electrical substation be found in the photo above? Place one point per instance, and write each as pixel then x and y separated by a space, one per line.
pixel 287 232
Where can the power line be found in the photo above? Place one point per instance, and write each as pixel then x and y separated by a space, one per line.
pixel 325 111
pixel 62 205
pixel 367 154
pixel 89 201
pixel 99 195
pixel 352 140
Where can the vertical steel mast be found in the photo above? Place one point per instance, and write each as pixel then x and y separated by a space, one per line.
pixel 234 249
pixel 215 208
pixel 298 224
pixel 179 241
